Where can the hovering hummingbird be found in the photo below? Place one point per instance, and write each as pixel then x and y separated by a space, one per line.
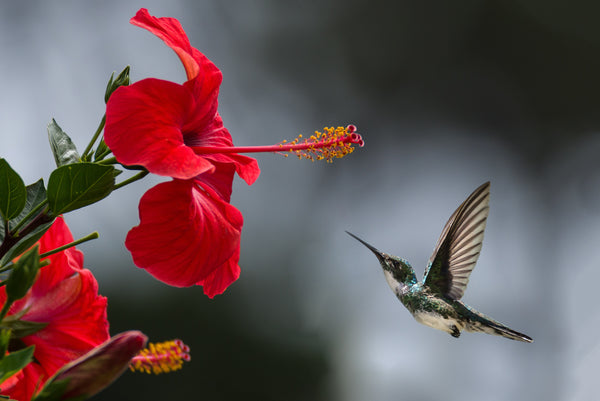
pixel 436 301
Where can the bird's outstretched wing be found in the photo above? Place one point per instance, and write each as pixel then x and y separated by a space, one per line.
pixel 458 248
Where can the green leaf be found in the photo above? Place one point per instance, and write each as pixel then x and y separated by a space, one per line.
pixel 26 242
pixel 36 194
pixel 12 191
pixel 4 341
pixel 77 185
pixel 21 328
pixel 62 146
pixel 23 275
pixel 15 361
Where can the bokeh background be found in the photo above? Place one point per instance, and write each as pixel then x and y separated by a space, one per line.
pixel 447 95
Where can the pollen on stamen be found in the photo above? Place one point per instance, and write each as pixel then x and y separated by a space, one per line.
pixel 332 143
pixel 162 357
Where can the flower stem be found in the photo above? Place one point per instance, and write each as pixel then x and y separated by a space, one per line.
pixel 112 160
pixel 128 181
pixel 94 138
pixel 88 237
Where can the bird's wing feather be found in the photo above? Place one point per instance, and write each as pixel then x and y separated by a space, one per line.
pixel 458 248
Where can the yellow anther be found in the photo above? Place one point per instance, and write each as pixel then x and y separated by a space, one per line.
pixel 162 357
pixel 331 143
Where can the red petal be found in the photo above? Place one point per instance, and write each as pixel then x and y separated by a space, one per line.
pixel 76 317
pixel 144 126
pixel 218 281
pixel 170 31
pixel 246 167
pixel 220 180
pixel 186 232
pixel 64 263
pixel 22 385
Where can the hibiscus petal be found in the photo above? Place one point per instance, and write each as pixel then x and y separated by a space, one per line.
pixel 218 281
pixel 144 127
pixel 220 180
pixel 76 317
pixel 22 385
pixel 64 263
pixel 170 31
pixel 246 167
pixel 186 232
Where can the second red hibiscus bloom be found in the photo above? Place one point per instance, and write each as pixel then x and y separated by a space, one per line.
pixel 65 297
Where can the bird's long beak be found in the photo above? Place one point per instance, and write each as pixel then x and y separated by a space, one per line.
pixel 371 247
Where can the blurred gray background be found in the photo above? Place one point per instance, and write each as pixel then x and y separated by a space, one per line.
pixel 447 95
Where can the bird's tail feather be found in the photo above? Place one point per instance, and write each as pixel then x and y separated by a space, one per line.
pixel 485 324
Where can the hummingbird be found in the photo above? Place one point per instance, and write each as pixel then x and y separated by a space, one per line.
pixel 435 302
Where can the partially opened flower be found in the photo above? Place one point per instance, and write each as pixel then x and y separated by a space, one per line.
pixel 189 234
pixel 96 369
pixel 65 297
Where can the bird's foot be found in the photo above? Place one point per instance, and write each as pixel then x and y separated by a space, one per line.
pixel 455 332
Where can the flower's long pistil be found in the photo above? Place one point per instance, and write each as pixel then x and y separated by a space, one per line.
pixel 162 357
pixel 332 143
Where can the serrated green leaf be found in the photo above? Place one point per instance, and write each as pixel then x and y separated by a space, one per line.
pixel 62 146
pixel 12 191
pixel 15 361
pixel 77 185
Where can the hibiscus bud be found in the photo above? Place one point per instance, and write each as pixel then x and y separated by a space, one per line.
pixel 121 80
pixel 98 368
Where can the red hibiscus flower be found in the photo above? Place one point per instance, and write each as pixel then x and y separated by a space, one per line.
pixel 65 297
pixel 155 123
pixel 189 234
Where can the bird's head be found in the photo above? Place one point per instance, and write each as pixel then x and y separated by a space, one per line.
pixel 398 268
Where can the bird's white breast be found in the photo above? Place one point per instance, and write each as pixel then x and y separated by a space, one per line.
pixel 438 321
